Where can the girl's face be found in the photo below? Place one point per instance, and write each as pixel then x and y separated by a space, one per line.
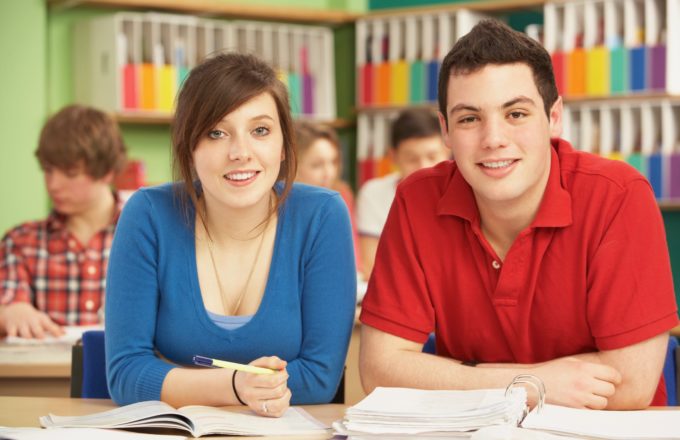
pixel 319 164
pixel 238 160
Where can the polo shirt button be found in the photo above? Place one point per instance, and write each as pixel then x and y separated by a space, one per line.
pixel 89 304
pixel 495 264
pixel 91 270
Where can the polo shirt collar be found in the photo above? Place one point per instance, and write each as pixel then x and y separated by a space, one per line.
pixel 555 209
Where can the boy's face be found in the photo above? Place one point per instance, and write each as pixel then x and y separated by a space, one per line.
pixel 73 191
pixel 499 133
pixel 416 153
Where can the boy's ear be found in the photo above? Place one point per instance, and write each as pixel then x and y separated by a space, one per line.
pixel 555 119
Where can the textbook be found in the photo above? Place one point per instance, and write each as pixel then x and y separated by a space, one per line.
pixel 197 420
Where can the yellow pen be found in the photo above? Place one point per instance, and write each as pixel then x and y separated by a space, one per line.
pixel 209 362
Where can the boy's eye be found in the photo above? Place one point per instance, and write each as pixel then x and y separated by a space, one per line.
pixel 215 134
pixel 517 115
pixel 467 120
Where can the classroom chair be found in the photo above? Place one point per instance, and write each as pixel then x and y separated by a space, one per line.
pixel 88 367
pixel 430 346
pixel 670 371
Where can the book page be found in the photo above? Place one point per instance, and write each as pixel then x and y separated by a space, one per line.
pixel 209 420
pixel 70 336
pixel 619 425
pixel 79 434
pixel 152 414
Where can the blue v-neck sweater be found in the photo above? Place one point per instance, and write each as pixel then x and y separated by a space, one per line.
pixel 154 303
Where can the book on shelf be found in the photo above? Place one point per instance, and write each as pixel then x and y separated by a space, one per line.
pixel 196 420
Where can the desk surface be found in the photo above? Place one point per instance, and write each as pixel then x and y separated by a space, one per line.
pixel 24 411
pixel 35 360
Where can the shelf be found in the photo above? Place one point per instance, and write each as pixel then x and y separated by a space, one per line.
pixel 158 118
pixel 383 108
pixel 632 97
pixel 221 9
pixel 669 205
pixel 490 5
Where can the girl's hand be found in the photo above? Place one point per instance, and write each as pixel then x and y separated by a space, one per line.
pixel 266 394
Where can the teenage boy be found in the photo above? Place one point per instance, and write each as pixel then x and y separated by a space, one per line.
pixel 53 271
pixel 416 143
pixel 523 255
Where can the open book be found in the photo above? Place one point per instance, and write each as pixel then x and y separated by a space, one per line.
pixel 197 420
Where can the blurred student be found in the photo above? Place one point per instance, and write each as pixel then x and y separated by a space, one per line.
pixel 524 255
pixel 53 271
pixel 416 143
pixel 319 163
pixel 233 261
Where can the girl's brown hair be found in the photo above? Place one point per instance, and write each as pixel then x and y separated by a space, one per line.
pixel 213 89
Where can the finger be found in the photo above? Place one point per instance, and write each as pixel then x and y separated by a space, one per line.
pixel 603 388
pixel 12 330
pixel 597 402
pixel 272 393
pixel 272 362
pixel 608 373
pixel 52 327
pixel 37 329
pixel 277 407
pixel 25 331
pixel 267 380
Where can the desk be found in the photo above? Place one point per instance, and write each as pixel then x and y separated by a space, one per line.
pixel 35 370
pixel 24 411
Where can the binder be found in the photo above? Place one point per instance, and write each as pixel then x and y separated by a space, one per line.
pixel 430 57
pixel 631 128
pixel 165 62
pixel 650 146
pixel 597 54
pixel 553 16
pixel 399 69
pixel 670 149
pixel 589 135
pixel 382 161
pixel 634 41
pixel 609 131
pixel 307 77
pixel 294 79
pixel 573 48
pixel 185 49
pixel 364 62
pixel 381 76
pixel 414 54
pixel 364 153
pixel 655 43
pixel 129 59
pixel 618 55
pixel 147 81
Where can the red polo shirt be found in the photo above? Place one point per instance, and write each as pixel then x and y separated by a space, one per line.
pixel 590 273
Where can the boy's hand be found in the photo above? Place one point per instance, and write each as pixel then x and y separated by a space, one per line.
pixel 24 320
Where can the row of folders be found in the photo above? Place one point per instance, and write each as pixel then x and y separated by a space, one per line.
pixel 137 61
pixel 644 134
pixel 605 47
pixel 398 58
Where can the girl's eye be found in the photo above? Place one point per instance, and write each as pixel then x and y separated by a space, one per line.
pixel 215 134
pixel 261 131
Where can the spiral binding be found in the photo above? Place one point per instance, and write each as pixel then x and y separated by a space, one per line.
pixel 534 381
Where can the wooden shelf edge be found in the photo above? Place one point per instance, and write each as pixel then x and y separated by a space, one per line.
pixel 669 205
pixel 489 5
pixel 222 9
pixel 631 97
pixel 158 118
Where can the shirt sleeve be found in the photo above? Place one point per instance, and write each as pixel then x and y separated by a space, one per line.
pixel 15 279
pixel 134 372
pixel 328 307
pixel 397 300
pixel 630 293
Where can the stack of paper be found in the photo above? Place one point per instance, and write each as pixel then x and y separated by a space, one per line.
pixel 613 425
pixel 403 411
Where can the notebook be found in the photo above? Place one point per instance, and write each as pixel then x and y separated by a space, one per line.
pixel 197 420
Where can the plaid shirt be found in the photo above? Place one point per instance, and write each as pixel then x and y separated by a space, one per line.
pixel 41 262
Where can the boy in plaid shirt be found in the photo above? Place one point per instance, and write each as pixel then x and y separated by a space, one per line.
pixel 53 271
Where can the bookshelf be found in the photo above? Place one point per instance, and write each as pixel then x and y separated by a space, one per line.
pixel 218 8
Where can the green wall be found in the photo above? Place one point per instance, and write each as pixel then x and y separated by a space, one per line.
pixel 22 109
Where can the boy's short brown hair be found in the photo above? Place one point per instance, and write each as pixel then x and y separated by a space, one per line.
pixel 77 134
